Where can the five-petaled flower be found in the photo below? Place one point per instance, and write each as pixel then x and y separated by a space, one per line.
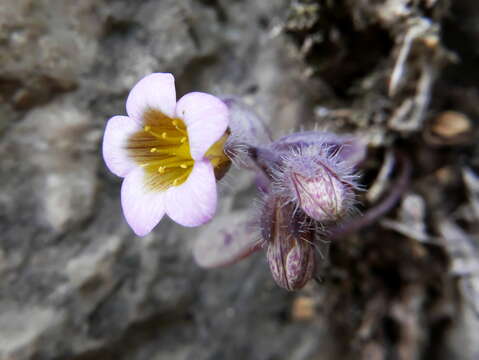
pixel 168 152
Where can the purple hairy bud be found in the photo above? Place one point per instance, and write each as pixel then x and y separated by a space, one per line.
pixel 289 236
pixel 321 191
pixel 317 173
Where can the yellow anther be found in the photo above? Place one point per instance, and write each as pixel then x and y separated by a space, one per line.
pixel 175 123
pixel 147 128
pixel 163 135
pixel 161 169
pixel 153 149
pixel 183 139
pixel 175 182
pixel 183 166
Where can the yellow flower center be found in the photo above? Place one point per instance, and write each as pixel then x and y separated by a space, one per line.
pixel 162 148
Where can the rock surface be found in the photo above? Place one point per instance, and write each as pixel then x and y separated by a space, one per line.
pixel 75 283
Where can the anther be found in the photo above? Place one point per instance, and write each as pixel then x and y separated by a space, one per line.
pixel 183 166
pixel 147 128
pixel 163 135
pixel 175 182
pixel 161 169
pixel 183 139
pixel 153 149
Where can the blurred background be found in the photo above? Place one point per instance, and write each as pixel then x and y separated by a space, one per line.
pixel 75 283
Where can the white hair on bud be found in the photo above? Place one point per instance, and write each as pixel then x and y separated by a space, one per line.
pixel 309 160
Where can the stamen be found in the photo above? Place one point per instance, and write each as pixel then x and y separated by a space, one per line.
pixel 163 137
pixel 161 147
pixel 163 150
pixel 172 162
pixel 176 125
pixel 156 134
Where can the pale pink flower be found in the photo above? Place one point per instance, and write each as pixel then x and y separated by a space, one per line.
pixel 168 152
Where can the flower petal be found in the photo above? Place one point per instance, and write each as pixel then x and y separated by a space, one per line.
pixel 117 131
pixel 154 91
pixel 143 208
pixel 194 202
pixel 206 118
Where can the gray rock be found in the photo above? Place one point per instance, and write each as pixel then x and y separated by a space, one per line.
pixel 75 283
pixel 45 46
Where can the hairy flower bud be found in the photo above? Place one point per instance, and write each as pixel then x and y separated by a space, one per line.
pixel 317 171
pixel 321 192
pixel 289 237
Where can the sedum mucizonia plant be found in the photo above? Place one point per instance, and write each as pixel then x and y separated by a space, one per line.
pixel 171 154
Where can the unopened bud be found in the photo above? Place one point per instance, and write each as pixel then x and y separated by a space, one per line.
pixel 321 194
pixel 317 171
pixel 289 237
